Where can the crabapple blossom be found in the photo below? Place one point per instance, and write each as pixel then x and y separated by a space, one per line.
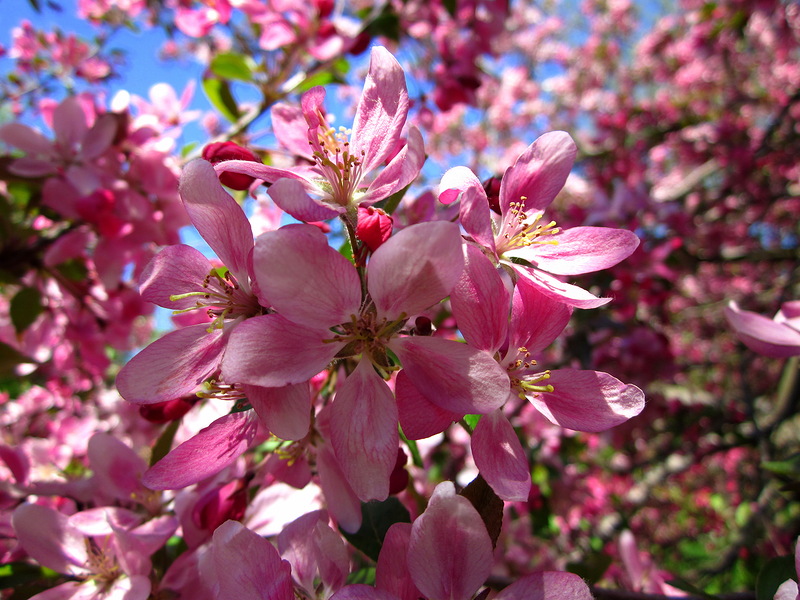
pixel 778 337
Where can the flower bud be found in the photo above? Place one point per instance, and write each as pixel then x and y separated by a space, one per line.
pixel 164 412
pixel 374 227
pixel 221 151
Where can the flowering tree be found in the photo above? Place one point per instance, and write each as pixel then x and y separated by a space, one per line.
pixel 475 343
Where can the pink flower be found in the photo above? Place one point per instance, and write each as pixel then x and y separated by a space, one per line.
pixel 343 160
pixel 778 337
pixel 410 272
pixel 520 234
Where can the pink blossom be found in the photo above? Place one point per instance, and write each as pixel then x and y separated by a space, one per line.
pixel 778 337
pixel 520 235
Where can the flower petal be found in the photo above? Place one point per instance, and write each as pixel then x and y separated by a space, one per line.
pixel 500 458
pixel 415 269
pixel 341 499
pixel 46 536
pixel 306 280
pixel 290 128
pixel 285 411
pixel 381 111
pixel 173 366
pixel 763 335
pixel 539 173
pixel 449 550
pixel 116 467
pixel 177 269
pixel 292 197
pixel 536 319
pixel 69 123
pixel 588 400
pixel 567 293
pixel 364 432
pixel 419 417
pixel 391 572
pixel 548 585
pixel 360 591
pixel 580 250
pixel 474 210
pixel 454 376
pixel 216 215
pixel 207 453
pixel 271 351
pixel 400 172
pixel 27 139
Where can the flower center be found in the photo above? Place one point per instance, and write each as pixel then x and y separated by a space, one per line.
pixel 518 230
pixel 524 382
pixel 340 168
pixel 222 299
pixel 103 567
pixel 367 336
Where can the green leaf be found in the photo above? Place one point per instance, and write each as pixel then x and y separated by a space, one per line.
pixel 9 359
pixel 772 575
pixel 164 443
pixel 592 568
pixel 365 576
pixel 377 517
pixel 233 66
pixel 219 94
pixel 488 504
pixel 472 421
pixel 17 574
pixel 450 7
pixel 789 467
pixel 318 79
pixel 26 305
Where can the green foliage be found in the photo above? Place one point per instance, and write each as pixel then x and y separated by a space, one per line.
pixel 231 65
pixel 25 306
pixel 25 579
pixel 365 576
pixel 377 517
pixel 773 574
pixel 9 359
pixel 218 92
pixel 164 443
pixel 592 568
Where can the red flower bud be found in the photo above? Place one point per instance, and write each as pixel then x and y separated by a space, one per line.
pixel 374 227
pixel 222 151
pixel 220 504
pixel 398 480
pixel 164 412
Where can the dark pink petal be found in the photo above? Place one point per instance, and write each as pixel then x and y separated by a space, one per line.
pixel 536 319
pixel 313 549
pixel 26 139
pixel 789 312
pixel 69 124
pixel 381 111
pixel 342 501
pixel 259 171
pixel 587 400
pixel 539 173
pixel 17 462
pixel 481 302
pixel 359 591
pixel 548 585
pixel 454 376
pixel 216 215
pixel 460 182
pixel 177 269
pixel 763 335
pixel 400 171
pixel 116 467
pixel 285 411
pixel 419 417
pixel 271 351
pixel 33 167
pixel 290 128
pixel 291 196
pixel 207 453
pixel 500 457
pixel 580 250
pixel 391 573
pixel 248 566
pixel 100 137
pixel 102 520
pixel 290 262
pixel 556 289
pixel 364 432
pixel 172 366
pixel 449 551
pixel 415 269
pixel 46 536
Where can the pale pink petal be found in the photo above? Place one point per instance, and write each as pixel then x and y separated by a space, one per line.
pixel 136 587
pixel 449 551
pixel 306 280
pixel 580 250
pixel 460 182
pixel 313 549
pixel 500 457
pixel 454 376
pixel 285 411
pixel 101 520
pixel 207 453
pixel 271 351
pixel 539 173
pixel 173 366
pixel 415 269
pixel 381 111
pixel 259 171
pixel 548 585
pixel 216 215
pixel 69 124
pixel 588 400
pixel 46 536
pixel 116 467
pixel 177 269
pixel 71 590
pixel 481 302
pixel 400 172
pixel 788 590
pixel 362 592
pixel 631 561
pixel 342 501
pixel 536 319
pixel 763 335
pixel 419 417
pixel 248 566
pixel 291 129
pixel 364 432
pixel 32 167
pixel 556 289
pixel 26 139
pixel 391 572
pixel 291 196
